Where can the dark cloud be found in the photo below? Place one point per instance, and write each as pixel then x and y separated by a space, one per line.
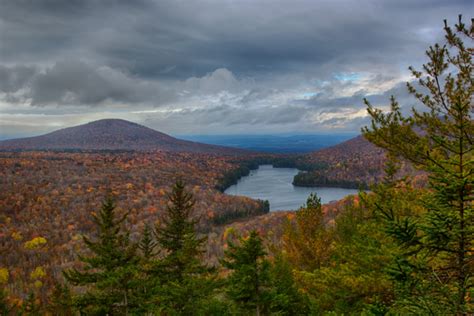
pixel 235 61
pixel 180 38
pixel 75 82
pixel 15 78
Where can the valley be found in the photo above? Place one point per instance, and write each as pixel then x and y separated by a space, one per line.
pixel 52 192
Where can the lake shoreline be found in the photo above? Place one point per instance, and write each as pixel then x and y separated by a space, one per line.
pixel 267 182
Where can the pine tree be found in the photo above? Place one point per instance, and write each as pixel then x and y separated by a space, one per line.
pixel 181 280
pixel 438 263
pixel 249 282
pixel 109 274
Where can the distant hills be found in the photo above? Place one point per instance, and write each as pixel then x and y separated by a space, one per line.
pixel 348 164
pixel 277 144
pixel 113 134
pixel 352 163
pixel 354 148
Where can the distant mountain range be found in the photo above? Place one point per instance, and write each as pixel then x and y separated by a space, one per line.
pixel 113 134
pixel 278 144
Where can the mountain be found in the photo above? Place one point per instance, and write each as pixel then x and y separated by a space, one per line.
pixel 348 164
pixel 113 134
pixel 354 148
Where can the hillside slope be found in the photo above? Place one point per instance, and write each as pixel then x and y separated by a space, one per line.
pixel 349 164
pixel 112 134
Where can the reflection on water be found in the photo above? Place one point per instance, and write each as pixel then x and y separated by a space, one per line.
pixel 274 185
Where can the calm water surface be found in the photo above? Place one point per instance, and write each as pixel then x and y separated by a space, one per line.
pixel 274 185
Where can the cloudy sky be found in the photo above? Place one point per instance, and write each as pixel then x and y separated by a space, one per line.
pixel 210 67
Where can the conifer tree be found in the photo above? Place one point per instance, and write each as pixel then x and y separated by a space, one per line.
pixel 249 282
pixel 181 280
pixel 60 302
pixel 148 254
pixel 306 240
pixel 147 244
pixel 109 274
pixel 438 266
pixel 285 297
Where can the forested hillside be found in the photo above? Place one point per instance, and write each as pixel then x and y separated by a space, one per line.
pixel 52 195
pixel 355 163
pixel 113 134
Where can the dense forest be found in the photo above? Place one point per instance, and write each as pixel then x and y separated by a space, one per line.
pixel 150 233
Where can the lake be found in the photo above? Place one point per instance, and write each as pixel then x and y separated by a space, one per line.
pixel 275 185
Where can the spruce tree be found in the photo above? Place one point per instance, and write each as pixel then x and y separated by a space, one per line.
pixel 147 244
pixel 148 253
pixel 109 272
pixel 249 282
pixel 438 265
pixel 181 280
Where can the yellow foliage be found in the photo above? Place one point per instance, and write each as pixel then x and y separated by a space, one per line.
pixel 35 243
pixel 38 284
pixel 228 233
pixel 17 236
pixel 77 237
pixel 4 275
pixel 38 273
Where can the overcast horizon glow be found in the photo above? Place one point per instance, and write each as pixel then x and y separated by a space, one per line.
pixel 211 67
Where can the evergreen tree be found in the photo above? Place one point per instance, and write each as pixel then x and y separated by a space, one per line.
pixel 61 302
pixel 249 282
pixel 109 274
pixel 438 266
pixel 286 298
pixel 145 295
pixel 147 244
pixel 306 239
pixel 181 280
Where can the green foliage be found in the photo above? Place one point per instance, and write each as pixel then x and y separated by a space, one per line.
pixel 30 306
pixel 436 271
pixel 225 218
pixel 147 244
pixel 316 179
pixel 61 302
pixel 307 240
pixel 179 279
pixel 249 283
pixel 351 277
pixel 109 272
pixel 286 297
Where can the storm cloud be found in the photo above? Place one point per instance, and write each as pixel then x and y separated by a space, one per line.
pixel 210 66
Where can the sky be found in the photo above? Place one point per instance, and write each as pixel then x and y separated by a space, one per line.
pixel 211 67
